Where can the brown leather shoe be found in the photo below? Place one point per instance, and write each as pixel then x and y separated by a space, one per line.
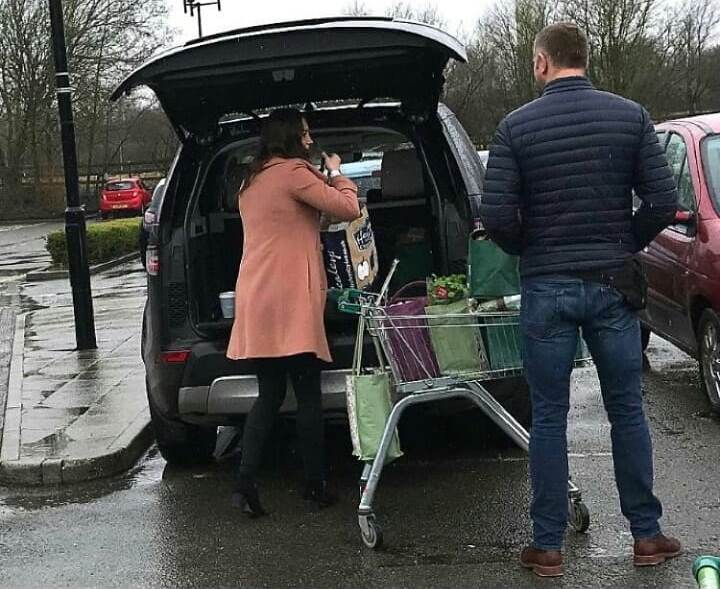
pixel 544 563
pixel 652 551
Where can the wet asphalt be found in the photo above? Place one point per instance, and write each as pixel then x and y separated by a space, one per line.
pixel 454 510
pixel 22 247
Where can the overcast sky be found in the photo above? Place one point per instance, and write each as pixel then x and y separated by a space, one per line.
pixel 461 15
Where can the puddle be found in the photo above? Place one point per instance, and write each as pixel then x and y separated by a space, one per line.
pixel 52 444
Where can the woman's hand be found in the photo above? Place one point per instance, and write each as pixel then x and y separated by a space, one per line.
pixel 332 161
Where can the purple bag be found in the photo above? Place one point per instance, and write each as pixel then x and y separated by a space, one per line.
pixel 409 340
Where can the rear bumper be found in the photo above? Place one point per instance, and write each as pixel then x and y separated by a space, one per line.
pixel 134 204
pixel 235 395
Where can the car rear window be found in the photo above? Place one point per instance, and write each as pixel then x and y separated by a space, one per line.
pixel 711 163
pixel 366 174
pixel 125 185
pixel 365 183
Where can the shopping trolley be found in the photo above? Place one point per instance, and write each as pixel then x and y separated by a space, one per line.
pixel 416 381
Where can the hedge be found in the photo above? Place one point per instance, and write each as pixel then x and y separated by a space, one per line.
pixel 105 241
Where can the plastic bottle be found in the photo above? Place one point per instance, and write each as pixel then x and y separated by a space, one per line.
pixel 706 570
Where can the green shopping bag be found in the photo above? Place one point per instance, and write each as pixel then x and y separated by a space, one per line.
pixel 456 339
pixel 502 341
pixel 491 272
pixel 369 403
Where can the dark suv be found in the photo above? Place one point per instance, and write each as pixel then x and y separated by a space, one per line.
pixel 368 86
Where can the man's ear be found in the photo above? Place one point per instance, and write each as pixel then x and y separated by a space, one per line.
pixel 543 63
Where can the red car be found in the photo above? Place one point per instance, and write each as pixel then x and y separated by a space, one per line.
pixel 125 195
pixel 683 263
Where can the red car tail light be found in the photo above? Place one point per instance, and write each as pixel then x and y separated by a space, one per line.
pixel 175 356
pixel 152 261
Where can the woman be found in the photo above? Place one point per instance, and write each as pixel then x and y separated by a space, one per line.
pixel 280 293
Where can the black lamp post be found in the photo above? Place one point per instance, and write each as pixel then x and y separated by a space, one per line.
pixel 194 5
pixel 74 213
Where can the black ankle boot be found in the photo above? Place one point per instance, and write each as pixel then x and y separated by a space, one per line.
pixel 247 498
pixel 317 496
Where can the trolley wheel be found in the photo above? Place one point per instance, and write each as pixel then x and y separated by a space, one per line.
pixel 371 533
pixel 579 517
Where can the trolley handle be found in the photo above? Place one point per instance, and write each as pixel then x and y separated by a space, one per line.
pixel 351 301
pixel 706 570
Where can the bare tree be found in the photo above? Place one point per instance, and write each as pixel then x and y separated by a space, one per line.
pixel 618 31
pixel 25 84
pixel 712 59
pixel 697 21
pixel 428 14
pixel 473 90
pixel 105 38
pixel 356 8
pixel 510 29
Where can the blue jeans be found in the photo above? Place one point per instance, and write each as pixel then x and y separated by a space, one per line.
pixel 553 311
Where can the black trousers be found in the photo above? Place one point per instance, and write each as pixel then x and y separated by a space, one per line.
pixel 272 374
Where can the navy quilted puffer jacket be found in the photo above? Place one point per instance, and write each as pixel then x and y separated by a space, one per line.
pixel 560 176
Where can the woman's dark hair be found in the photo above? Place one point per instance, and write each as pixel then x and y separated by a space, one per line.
pixel 280 136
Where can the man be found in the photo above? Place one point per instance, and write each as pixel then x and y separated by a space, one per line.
pixel 558 192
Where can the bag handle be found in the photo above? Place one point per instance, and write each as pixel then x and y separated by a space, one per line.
pixel 407 287
pixel 359 340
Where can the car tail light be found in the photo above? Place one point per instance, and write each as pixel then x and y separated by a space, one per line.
pixel 152 261
pixel 683 216
pixel 175 356
pixel 149 218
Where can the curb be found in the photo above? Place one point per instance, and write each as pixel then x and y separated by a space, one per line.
pixel 10 450
pixel 40 275
pixel 118 457
pixel 121 455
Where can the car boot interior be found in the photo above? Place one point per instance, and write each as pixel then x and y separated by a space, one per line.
pixel 402 213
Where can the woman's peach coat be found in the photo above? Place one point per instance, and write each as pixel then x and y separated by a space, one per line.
pixel 281 285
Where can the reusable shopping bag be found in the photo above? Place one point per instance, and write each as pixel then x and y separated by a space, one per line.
pixel 502 339
pixel 349 253
pixel 456 340
pixel 491 272
pixel 407 335
pixel 369 403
